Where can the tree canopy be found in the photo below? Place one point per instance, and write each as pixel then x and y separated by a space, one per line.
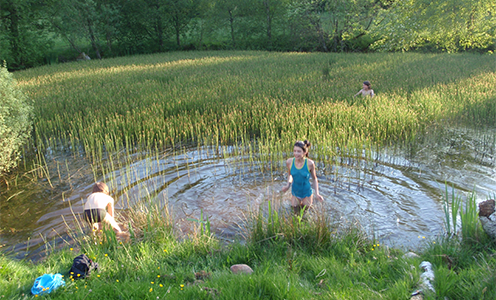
pixel 46 31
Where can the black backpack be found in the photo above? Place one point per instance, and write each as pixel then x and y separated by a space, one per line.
pixel 83 266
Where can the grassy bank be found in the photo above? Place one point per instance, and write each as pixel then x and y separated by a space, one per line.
pixel 291 259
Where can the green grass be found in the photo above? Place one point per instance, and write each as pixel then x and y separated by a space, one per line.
pixel 237 98
pixel 347 265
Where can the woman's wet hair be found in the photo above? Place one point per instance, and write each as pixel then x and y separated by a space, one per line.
pixel 305 145
pixel 101 187
pixel 367 83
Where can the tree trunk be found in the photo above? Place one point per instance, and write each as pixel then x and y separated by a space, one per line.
pixel 14 31
pixel 269 23
pixel 320 30
pixel 160 35
pixel 73 44
pixel 231 21
pixel 93 39
pixel 178 30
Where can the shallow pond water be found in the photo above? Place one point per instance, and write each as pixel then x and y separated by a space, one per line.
pixel 397 196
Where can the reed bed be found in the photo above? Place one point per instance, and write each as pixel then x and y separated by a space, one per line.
pixel 258 100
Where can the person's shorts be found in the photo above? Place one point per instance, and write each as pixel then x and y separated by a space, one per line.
pixel 95 215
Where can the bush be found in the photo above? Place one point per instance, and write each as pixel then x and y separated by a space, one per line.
pixel 15 120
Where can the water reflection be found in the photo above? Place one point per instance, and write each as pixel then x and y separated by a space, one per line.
pixel 397 197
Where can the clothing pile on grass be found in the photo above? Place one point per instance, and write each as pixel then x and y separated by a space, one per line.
pixel 82 267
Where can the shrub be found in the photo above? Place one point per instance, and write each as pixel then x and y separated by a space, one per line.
pixel 15 120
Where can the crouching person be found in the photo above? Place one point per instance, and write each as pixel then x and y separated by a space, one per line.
pixel 99 207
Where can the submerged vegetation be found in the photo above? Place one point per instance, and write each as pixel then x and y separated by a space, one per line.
pixel 115 112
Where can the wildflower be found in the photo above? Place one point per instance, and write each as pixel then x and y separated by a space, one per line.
pixel 106 254
pixel 161 285
pixel 90 291
pixel 153 282
pixel 158 276
pixel 158 268
pixel 71 249
pixel 423 237
pixel 182 285
pixel 117 280
pixel 100 243
pixel 151 289
pixel 72 272
pixel 72 279
pixel 79 275
pixel 76 288
pixel 98 275
pixel 165 250
pixel 85 286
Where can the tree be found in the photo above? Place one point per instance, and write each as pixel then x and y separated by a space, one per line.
pixel 180 13
pixel 15 120
pixel 448 25
pixel 23 33
pixel 228 10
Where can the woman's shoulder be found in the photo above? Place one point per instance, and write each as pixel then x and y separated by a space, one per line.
pixel 101 196
pixel 310 162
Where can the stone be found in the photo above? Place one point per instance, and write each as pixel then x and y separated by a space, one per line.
pixel 410 255
pixel 241 269
pixel 487 217
pixel 486 208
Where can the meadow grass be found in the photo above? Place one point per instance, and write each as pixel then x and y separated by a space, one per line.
pixel 266 99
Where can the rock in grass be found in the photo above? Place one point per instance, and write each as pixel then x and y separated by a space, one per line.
pixel 411 255
pixel 241 269
pixel 487 217
pixel 486 208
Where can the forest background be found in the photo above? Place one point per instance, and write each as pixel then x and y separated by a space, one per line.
pixel 37 32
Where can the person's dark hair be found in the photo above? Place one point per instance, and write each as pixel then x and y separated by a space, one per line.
pixel 101 187
pixel 367 83
pixel 305 145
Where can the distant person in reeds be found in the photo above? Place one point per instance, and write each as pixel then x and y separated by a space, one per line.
pixel 300 169
pixel 99 207
pixel 366 90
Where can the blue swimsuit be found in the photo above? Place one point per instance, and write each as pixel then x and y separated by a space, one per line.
pixel 301 187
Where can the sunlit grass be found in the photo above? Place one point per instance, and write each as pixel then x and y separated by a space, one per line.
pixel 227 98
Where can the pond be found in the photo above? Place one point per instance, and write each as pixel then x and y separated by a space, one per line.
pixel 397 196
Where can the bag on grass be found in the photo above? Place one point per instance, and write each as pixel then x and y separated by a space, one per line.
pixel 47 283
pixel 82 266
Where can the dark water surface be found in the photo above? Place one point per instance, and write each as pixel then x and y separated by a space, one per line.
pixel 397 196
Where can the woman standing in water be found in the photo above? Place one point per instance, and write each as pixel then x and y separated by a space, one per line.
pixel 300 169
